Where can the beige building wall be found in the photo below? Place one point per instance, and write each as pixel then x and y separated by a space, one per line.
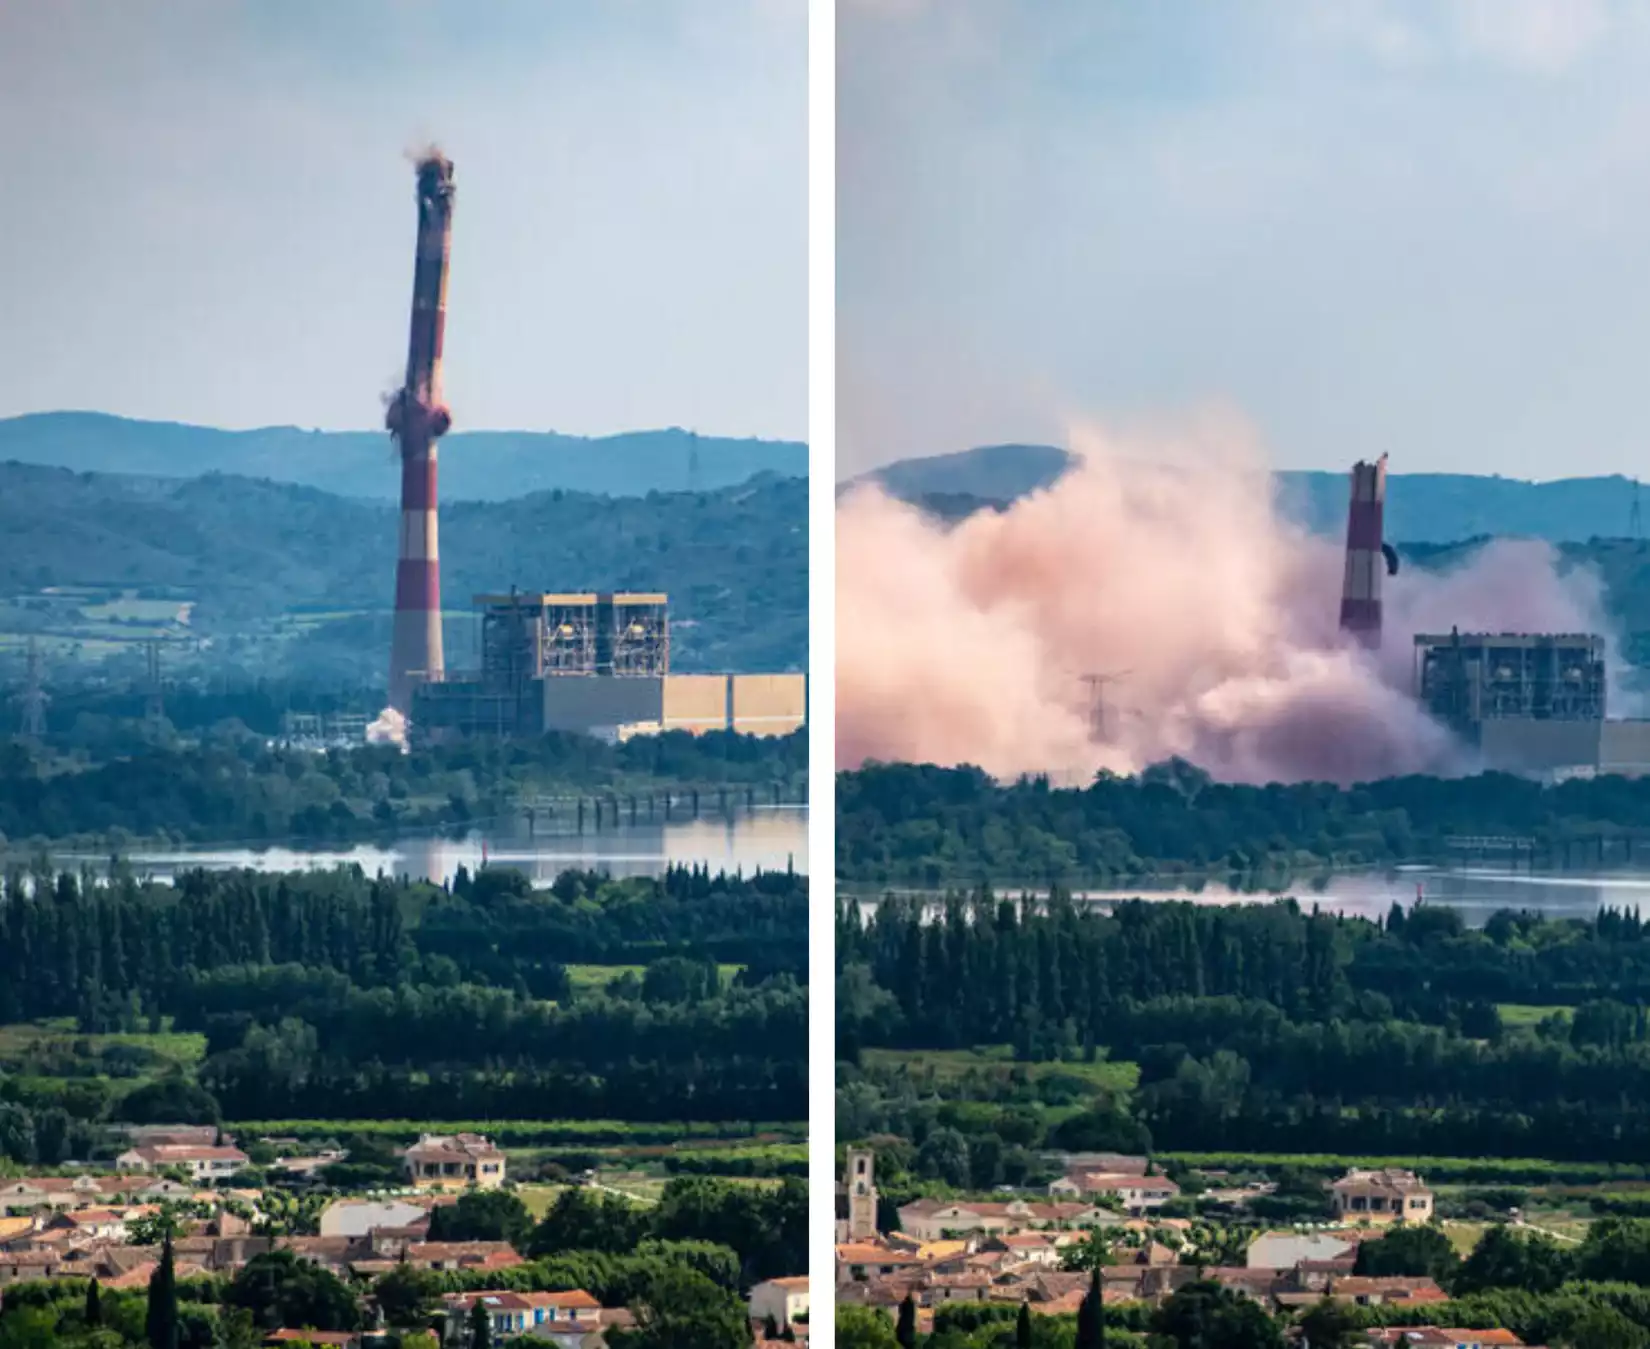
pixel 1625 748
pixel 1520 745
pixel 752 704
pixel 774 704
pixel 696 703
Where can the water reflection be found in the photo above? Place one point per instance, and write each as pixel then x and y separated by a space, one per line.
pixel 1477 891
pixel 766 838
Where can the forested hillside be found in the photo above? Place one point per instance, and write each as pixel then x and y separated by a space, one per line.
pixel 290 577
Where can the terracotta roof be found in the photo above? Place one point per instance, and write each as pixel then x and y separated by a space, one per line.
pixel 866 1253
pixel 162 1154
pixel 494 1254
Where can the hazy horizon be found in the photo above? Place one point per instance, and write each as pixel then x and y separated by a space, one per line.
pixel 1361 226
pixel 211 219
pixel 708 433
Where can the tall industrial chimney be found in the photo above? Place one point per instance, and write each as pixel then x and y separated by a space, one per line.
pixel 417 418
pixel 1366 553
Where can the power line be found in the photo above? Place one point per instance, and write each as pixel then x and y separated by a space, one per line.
pixel 33 699
pixel 1096 685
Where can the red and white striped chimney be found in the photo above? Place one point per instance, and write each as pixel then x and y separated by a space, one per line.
pixel 417 418
pixel 1365 553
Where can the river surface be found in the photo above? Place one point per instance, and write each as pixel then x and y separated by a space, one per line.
pixel 765 838
pixel 1477 891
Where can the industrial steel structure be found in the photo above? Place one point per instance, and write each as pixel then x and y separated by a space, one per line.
pixel 1367 553
pixel 1467 679
pixel 417 418
pixel 596 663
pixel 531 636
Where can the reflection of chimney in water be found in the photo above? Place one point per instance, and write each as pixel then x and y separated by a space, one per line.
pixel 1367 554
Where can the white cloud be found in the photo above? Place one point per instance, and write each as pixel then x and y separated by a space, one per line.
pixel 1541 37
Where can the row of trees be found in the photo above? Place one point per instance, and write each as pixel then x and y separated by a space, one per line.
pixel 1264 1027
pixel 917 824
pixel 237 786
pixel 108 949
pixel 329 995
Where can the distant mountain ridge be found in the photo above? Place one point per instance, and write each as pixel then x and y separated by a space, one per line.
pixel 475 465
pixel 1420 507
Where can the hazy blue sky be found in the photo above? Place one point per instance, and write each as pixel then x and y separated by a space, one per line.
pixel 1416 226
pixel 209 215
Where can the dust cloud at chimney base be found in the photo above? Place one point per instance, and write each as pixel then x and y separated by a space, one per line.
pixel 1160 584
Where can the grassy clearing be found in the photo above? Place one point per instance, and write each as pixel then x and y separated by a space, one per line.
pixel 183 1048
pixel 1464 1236
pixel 539 1198
pixel 1515 1014
pixel 526 1134
pixel 130 610
pixel 593 978
pixel 1524 1172
pixel 948 1065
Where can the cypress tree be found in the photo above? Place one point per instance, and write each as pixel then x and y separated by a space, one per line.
pixel 94 1304
pixel 162 1322
pixel 481 1326
pixel 1097 1322
pixel 906 1331
pixel 1022 1327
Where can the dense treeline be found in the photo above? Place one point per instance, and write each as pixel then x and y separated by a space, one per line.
pixel 913 824
pixel 1267 1028
pixel 81 946
pixel 332 995
pixel 236 786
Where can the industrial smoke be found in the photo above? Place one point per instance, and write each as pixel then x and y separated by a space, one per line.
pixel 1151 603
pixel 389 727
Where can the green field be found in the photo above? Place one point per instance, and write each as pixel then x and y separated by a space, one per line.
pixel 592 978
pixel 541 1133
pixel 1515 1014
pixel 948 1065
pixel 1516 1171
pixel 184 1048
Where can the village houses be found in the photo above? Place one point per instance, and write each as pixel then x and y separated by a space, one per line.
pixel 785 1300
pixel 205 1163
pixel 1383 1196
pixel 455 1161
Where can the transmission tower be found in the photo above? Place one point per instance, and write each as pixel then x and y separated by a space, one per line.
pixel 154 707
pixel 32 701
pixel 1096 685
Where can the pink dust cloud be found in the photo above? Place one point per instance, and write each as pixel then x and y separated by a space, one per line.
pixel 1167 568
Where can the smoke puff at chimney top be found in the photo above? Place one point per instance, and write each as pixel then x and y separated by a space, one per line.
pixel 1168 562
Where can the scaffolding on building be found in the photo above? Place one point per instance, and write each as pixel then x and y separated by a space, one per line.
pixel 527 636
pixel 1465 679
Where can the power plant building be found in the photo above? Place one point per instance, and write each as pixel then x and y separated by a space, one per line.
pixel 597 664
pixel 1529 702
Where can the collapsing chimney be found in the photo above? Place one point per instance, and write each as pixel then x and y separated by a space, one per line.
pixel 1367 554
pixel 417 418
